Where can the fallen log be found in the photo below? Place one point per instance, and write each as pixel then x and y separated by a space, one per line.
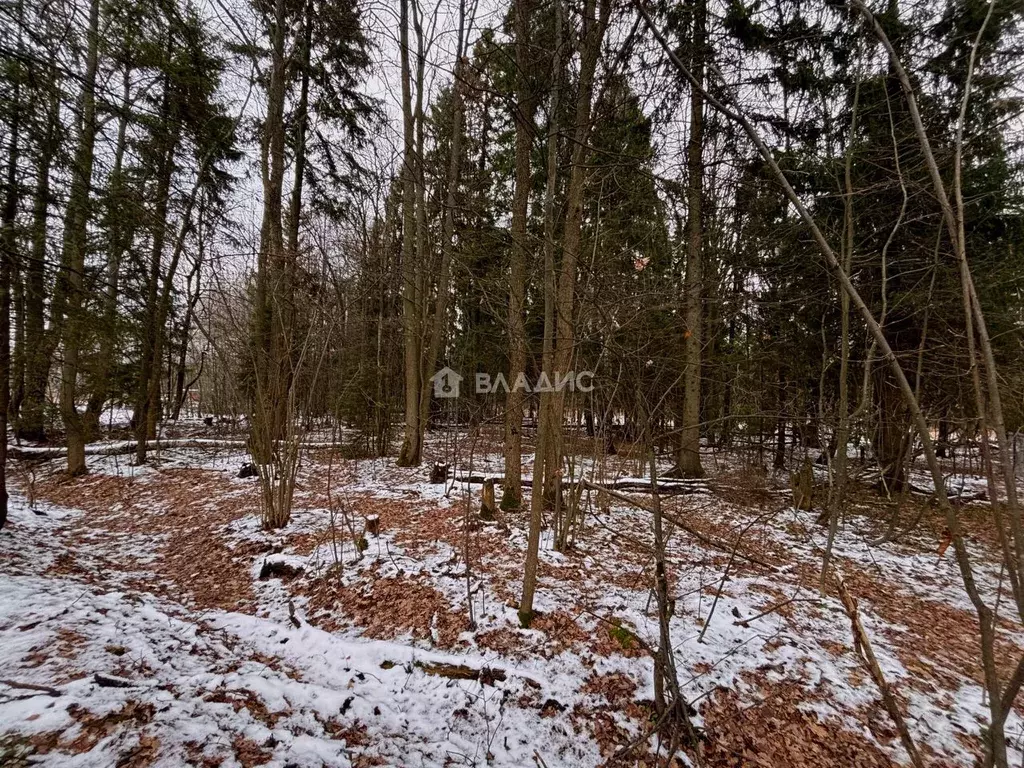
pixel 484 675
pixel 953 494
pixel 665 487
pixel 126 447
pixel 110 681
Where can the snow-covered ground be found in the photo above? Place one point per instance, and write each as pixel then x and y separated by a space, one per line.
pixel 146 619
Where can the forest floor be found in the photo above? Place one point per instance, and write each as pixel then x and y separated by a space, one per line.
pixel 146 619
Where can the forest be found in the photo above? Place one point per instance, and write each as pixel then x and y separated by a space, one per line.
pixel 527 383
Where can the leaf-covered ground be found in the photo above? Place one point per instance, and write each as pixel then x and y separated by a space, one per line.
pixel 146 619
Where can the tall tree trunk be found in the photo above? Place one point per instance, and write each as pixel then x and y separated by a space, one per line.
pixel 272 277
pixel 423 259
pixel 193 300
pixel 8 258
pixel 547 465
pixel 842 436
pixel 120 232
pixel 147 395
pixel 39 346
pixel 543 410
pixel 689 443
pixel 75 244
pixel 160 318
pixel 572 234
pixel 440 318
pixel 301 129
pixel 522 115
pixel 410 453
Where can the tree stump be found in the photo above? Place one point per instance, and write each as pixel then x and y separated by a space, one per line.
pixel 802 485
pixel 439 473
pixel 373 525
pixel 488 509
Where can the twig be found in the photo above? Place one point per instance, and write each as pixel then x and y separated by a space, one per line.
pixel 862 645
pixel 720 545
pixel 32 687
pixel 773 609
pixel 725 573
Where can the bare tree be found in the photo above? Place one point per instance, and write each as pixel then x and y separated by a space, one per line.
pixel 522 114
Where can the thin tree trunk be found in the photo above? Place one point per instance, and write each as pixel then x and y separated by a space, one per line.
pixel 572 233
pixel 410 452
pixel 39 345
pixel 838 488
pixel 193 300
pixel 543 411
pixel 301 128
pixel 150 364
pixel 689 444
pixel 437 328
pixel 423 259
pixel 120 233
pixel 522 115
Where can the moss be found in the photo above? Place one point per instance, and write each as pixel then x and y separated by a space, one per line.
pixel 15 751
pixel 622 636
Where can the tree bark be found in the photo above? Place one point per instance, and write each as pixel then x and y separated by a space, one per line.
pixel 595 25
pixel 120 232
pixel 39 346
pixel 689 444
pixel 543 411
pixel 272 276
pixel 522 115
pixel 8 258
pixel 437 327
pixel 547 465
pixel 409 455
pixel 301 129
pixel 74 250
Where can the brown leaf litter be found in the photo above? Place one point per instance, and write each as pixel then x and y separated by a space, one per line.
pixel 180 512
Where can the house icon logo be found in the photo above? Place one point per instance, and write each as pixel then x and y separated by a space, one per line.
pixel 446 383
